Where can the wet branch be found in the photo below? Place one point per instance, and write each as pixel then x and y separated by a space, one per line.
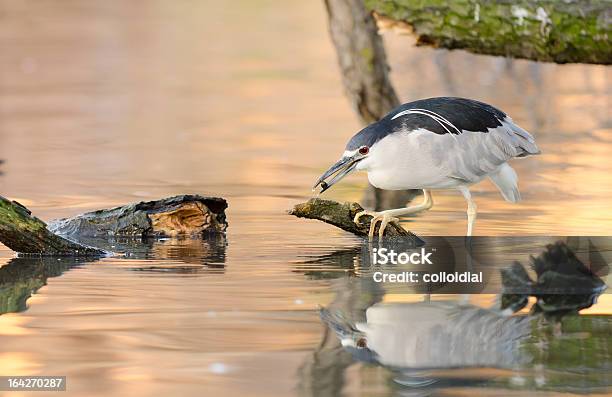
pixel 341 215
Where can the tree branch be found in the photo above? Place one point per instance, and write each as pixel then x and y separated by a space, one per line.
pixel 541 30
pixel 342 215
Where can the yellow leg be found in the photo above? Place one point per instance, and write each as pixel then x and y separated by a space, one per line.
pixel 471 210
pixel 392 215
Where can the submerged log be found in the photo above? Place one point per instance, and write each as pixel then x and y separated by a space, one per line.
pixel 179 215
pixel 539 30
pixel 24 233
pixel 342 214
pixel 191 215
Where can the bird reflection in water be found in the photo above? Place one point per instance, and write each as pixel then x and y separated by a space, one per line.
pixel 410 338
pixel 428 346
pixel 424 347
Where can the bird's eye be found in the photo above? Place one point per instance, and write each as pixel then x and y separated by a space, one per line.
pixel 364 150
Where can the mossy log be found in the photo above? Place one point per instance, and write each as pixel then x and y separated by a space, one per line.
pixel 541 30
pixel 24 233
pixel 191 215
pixel 342 215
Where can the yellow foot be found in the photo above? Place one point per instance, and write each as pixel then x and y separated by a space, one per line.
pixel 384 218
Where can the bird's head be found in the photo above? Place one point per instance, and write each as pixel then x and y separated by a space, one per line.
pixel 347 164
pixel 357 150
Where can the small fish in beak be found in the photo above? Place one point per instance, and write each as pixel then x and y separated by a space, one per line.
pixel 342 168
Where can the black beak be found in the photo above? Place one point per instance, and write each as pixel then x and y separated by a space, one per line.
pixel 342 168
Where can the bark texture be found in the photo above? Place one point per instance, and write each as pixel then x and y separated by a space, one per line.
pixel 342 214
pixel 24 233
pixel 190 215
pixel 362 59
pixel 179 215
pixel 541 30
pixel 365 76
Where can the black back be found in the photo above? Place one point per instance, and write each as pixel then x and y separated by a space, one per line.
pixel 465 114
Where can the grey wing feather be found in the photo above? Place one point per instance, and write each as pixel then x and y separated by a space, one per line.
pixel 477 154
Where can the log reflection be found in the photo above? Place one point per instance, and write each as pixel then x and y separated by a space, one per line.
pixel 23 276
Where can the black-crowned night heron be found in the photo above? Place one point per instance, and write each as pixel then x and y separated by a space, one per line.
pixel 432 335
pixel 435 143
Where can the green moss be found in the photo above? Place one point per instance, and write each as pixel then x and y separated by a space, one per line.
pixel 368 55
pixel 566 32
pixel 22 232
pixel 18 216
pixel 13 297
pixel 583 342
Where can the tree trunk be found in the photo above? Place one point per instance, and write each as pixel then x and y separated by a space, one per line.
pixel 541 30
pixel 362 59
pixel 365 75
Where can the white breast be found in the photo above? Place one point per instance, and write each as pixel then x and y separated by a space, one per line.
pixel 410 160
